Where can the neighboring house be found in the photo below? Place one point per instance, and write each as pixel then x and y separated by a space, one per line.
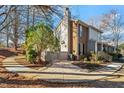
pixel 77 37
pixel 108 47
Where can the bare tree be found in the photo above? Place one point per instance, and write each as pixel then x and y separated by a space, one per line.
pixel 4 13
pixel 14 20
pixel 113 24
pixel 94 21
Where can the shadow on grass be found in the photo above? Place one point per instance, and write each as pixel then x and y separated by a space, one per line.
pixel 6 53
pixel 97 84
pixel 57 73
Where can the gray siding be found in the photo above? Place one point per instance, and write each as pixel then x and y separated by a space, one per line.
pixel 91 45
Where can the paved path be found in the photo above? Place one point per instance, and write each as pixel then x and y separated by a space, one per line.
pixel 60 71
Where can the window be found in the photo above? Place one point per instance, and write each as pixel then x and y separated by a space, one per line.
pixel 79 49
pixel 80 31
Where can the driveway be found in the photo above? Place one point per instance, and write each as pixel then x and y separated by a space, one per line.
pixel 62 71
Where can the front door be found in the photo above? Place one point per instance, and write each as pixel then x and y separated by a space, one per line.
pixel 81 49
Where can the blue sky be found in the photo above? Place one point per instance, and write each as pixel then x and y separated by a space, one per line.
pixel 84 12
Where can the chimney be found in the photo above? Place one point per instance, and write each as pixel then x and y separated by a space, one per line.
pixel 67 12
pixel 66 19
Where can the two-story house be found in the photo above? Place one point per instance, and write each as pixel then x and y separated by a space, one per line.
pixel 76 37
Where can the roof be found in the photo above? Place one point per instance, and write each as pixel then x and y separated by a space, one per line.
pixel 58 25
pixel 95 29
pixel 83 23
pixel 106 43
pixel 86 25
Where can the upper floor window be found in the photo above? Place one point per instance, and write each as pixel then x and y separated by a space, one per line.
pixel 80 31
pixel 99 37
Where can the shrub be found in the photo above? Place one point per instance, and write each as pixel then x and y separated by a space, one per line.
pixel 120 55
pixel 42 38
pixel 2 45
pixel 104 56
pixel 31 55
pixel 82 57
pixel 100 57
pixel 72 57
pixel 115 56
pixel 94 57
pixel 85 59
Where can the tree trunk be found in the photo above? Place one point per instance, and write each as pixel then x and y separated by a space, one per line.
pixel 16 29
pixel 39 58
pixel 27 25
pixel 33 18
pixel 7 31
pixel 7 39
pixel 28 16
pixel 117 49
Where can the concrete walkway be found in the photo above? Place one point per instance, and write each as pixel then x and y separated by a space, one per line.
pixel 60 71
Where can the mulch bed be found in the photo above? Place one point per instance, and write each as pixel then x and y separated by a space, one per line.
pixel 89 66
